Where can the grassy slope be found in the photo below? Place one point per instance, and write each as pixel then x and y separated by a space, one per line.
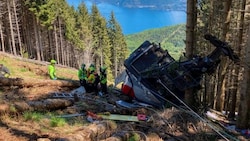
pixel 27 68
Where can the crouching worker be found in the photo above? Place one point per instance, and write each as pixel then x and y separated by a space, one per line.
pixel 52 70
pixel 4 71
pixel 82 75
pixel 92 80
pixel 103 80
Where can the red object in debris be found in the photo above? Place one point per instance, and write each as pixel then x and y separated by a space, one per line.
pixel 141 117
pixel 128 90
pixel 94 116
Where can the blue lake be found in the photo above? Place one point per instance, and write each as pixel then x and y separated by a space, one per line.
pixel 134 20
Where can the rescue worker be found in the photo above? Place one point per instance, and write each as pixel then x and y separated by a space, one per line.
pixel 90 79
pixel 103 80
pixel 4 71
pixel 91 67
pixel 52 70
pixel 93 79
pixel 82 75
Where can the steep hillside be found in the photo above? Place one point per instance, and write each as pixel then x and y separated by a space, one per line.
pixel 29 113
pixel 170 38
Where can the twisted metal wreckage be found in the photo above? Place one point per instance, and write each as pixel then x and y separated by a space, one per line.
pixel 152 76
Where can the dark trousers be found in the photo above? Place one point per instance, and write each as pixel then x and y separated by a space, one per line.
pixel 104 88
pixel 83 82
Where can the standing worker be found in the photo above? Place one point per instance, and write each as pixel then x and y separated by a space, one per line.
pixel 103 80
pixel 52 70
pixel 4 72
pixel 82 75
pixel 91 79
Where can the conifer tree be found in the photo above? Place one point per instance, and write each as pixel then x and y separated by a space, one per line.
pixel 118 45
pixel 84 33
pixel 101 44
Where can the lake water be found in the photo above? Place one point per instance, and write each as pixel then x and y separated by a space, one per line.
pixel 134 20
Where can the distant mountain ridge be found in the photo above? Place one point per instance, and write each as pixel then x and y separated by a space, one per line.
pixel 169 5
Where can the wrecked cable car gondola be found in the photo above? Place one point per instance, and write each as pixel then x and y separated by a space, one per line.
pixel 153 77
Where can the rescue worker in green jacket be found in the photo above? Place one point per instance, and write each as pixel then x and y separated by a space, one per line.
pixel 52 70
pixel 103 80
pixel 82 75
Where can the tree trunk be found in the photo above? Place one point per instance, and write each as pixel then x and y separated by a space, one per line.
pixel 11 30
pixel 243 119
pixel 41 105
pixel 190 42
pixel 56 44
pixel 224 63
pixel 17 28
pixel 2 40
pixel 239 42
pixel 37 82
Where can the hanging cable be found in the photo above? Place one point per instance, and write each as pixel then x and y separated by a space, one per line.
pixel 205 121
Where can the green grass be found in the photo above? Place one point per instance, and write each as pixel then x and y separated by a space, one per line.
pixel 134 137
pixel 25 69
pixel 57 122
pixel 34 116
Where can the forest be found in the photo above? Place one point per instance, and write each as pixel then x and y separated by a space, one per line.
pixel 43 30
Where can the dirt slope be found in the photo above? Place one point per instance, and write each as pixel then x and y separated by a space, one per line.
pixel 168 124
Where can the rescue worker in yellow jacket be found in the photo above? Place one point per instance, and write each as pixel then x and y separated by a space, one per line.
pixel 103 80
pixel 90 79
pixel 93 79
pixel 52 70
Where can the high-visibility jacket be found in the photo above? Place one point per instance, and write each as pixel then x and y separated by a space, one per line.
pixel 52 71
pixel 90 70
pixel 82 74
pixel 91 78
pixel 103 78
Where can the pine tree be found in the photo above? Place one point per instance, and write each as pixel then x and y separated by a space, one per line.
pixel 101 44
pixel 118 45
pixel 84 33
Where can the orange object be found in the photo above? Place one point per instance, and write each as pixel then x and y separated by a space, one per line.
pixel 93 115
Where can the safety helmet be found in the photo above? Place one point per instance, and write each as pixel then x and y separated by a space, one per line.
pixel 91 65
pixel 83 65
pixel 92 69
pixel 103 68
pixel 52 61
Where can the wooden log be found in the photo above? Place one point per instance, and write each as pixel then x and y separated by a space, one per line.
pixel 88 133
pixel 37 82
pixel 113 139
pixel 42 105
